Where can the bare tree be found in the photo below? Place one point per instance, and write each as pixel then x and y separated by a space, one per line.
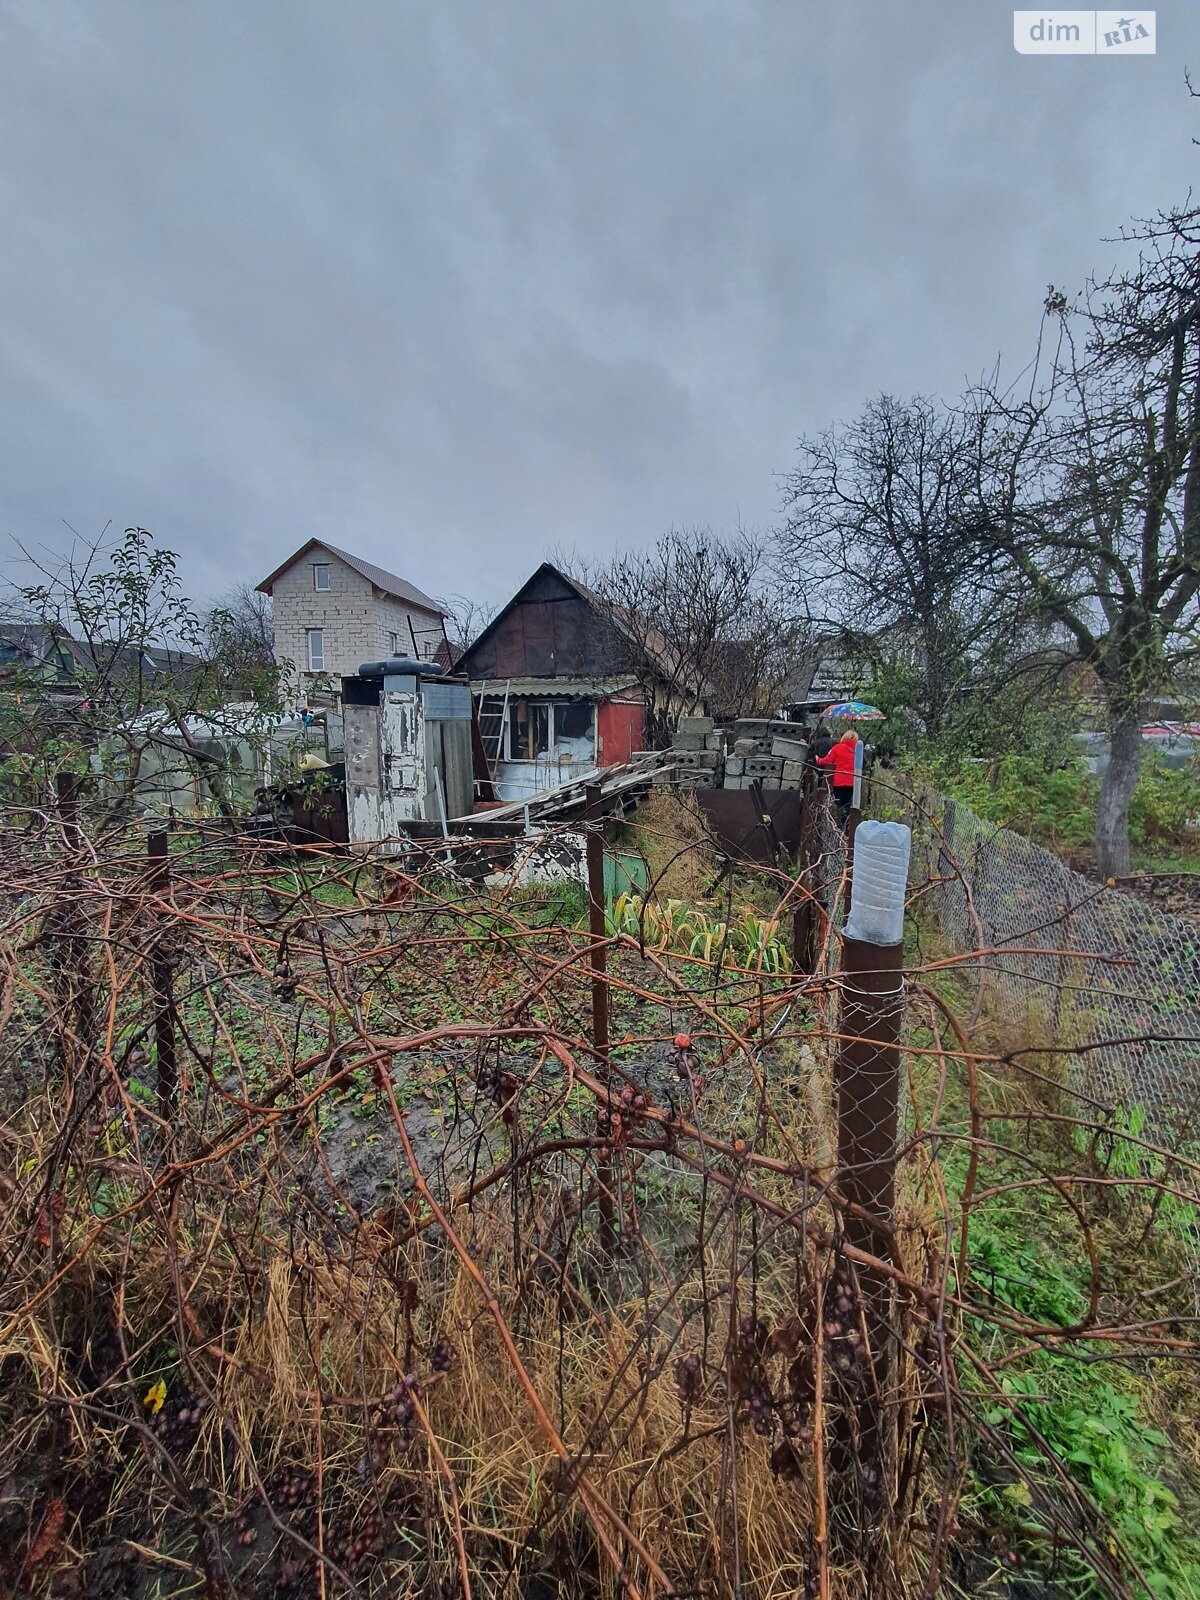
pixel 1087 489
pixel 701 623
pixel 466 619
pixel 873 543
pixel 241 625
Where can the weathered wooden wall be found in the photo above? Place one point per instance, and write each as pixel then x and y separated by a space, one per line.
pixel 551 632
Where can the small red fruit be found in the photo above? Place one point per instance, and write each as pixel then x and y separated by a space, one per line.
pixel 683 1041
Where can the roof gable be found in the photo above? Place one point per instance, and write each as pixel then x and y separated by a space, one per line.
pixel 547 583
pixel 551 583
pixel 387 582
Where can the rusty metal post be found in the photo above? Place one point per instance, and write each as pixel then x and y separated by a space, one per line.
pixel 71 959
pixel 804 921
pixel 160 982
pixel 867 1074
pixel 868 1085
pixel 599 965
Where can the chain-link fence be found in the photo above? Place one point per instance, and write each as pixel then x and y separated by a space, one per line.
pixel 1069 963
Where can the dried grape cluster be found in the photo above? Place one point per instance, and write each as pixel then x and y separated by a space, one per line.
pixel 615 1119
pixel 178 1421
pixel 291 1493
pixel 494 1080
pixel 396 1415
pixel 748 1371
pixel 441 1357
pixel 841 1330
pixel 687 1061
pixel 689 1379
pixel 354 1536
pixel 286 983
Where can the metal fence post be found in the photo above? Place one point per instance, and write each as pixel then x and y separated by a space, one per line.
pixel 599 962
pixel 804 920
pixel 72 962
pixel 160 982
pixel 867 1074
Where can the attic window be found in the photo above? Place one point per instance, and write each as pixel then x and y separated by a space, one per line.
pixel 320 573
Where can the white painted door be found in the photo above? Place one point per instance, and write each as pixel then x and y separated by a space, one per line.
pixel 403 749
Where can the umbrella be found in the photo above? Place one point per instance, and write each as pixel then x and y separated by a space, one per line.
pixel 853 711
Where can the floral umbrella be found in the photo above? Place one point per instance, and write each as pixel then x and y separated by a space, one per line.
pixel 854 711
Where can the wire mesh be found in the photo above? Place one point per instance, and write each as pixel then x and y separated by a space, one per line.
pixel 1108 978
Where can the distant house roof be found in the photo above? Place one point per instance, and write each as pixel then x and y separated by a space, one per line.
pixel 387 582
pixel 49 650
pixel 40 647
pixel 150 660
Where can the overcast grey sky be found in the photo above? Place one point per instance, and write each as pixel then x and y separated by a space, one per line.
pixel 451 283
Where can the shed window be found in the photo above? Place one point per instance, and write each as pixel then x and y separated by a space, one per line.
pixel 573 720
pixel 565 730
pixel 316 650
pixel 528 730
pixel 320 575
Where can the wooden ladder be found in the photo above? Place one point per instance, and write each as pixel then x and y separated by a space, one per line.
pixel 491 726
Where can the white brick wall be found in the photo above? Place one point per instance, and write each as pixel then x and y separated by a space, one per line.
pixel 357 622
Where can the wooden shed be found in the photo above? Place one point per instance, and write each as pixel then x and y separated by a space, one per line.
pixel 554 691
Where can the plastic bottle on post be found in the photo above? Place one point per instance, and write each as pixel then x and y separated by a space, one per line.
pixel 877 892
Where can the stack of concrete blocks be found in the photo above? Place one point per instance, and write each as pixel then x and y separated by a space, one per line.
pixel 764 751
pixel 697 754
pixel 751 750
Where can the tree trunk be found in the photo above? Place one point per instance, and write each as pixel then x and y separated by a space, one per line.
pixel 1116 791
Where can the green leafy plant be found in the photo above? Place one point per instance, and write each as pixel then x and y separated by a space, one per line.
pixel 1165 804
pixel 1054 802
pixel 750 943
pixel 1056 1411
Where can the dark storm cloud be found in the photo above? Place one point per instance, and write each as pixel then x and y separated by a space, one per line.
pixel 453 283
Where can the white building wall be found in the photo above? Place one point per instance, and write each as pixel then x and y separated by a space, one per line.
pixel 356 620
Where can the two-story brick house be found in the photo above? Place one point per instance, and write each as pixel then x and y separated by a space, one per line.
pixel 333 611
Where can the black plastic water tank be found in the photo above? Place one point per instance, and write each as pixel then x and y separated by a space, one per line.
pixel 399 667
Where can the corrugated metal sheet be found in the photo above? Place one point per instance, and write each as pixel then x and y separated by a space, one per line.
pixel 577 688
pixel 446 702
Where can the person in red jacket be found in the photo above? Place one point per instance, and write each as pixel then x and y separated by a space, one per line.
pixel 840 759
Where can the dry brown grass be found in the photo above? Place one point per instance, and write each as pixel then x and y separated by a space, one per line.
pixel 680 856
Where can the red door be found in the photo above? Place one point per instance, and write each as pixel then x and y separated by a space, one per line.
pixel 620 726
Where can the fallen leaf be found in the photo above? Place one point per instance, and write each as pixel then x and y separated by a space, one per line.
pixel 49 1529
pixel 154 1397
pixel 49 1218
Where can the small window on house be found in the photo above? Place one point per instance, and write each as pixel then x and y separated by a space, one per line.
pixel 574 722
pixel 320 574
pixel 316 649
pixel 528 730
pixel 393 644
